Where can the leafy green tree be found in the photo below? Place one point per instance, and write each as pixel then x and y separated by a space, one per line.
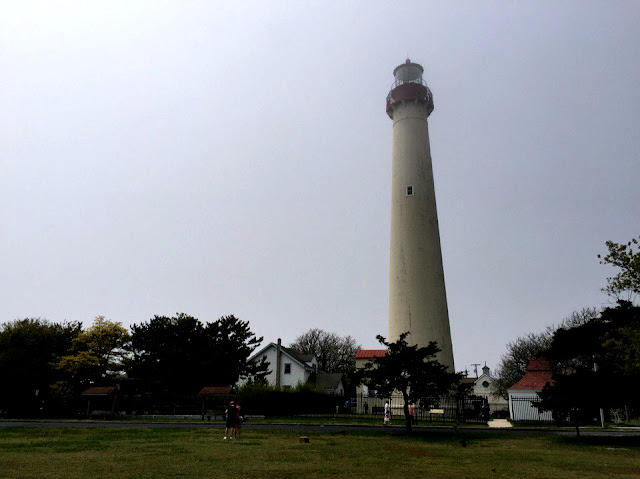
pixel 411 370
pixel 626 257
pixel 180 355
pixel 167 354
pixel 572 397
pixel 28 349
pixel 98 356
pixel 233 342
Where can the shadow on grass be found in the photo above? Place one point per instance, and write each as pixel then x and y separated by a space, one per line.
pixel 468 437
pixel 444 435
pixel 602 441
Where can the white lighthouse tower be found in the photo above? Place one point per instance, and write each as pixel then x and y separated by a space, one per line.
pixel 417 296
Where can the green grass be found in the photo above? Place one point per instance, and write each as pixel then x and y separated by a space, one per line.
pixel 182 452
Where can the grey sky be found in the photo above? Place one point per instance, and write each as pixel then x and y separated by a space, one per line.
pixel 216 158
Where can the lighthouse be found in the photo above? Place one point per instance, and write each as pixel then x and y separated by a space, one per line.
pixel 417 295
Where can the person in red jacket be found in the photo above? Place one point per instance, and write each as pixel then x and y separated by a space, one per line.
pixel 239 420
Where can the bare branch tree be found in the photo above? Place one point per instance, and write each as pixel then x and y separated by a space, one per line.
pixel 513 364
pixel 335 354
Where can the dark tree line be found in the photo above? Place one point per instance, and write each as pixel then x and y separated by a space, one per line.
pixel 28 350
pixel 596 366
pixel 44 366
pixel 595 355
pixel 182 355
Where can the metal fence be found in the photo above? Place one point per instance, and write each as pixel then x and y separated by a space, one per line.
pixel 525 408
pixel 449 409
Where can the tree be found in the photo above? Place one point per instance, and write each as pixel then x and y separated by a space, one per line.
pixel 626 284
pixel 233 343
pixel 180 355
pixel 335 354
pixel 596 364
pixel 513 364
pixel 165 354
pixel 98 355
pixel 411 370
pixel 28 347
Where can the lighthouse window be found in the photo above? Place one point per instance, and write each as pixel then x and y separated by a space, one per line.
pixel 409 190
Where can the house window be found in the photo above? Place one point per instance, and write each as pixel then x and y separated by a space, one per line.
pixel 409 190
pixel 287 368
pixel 485 384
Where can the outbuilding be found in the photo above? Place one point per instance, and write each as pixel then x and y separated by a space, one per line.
pixel 523 395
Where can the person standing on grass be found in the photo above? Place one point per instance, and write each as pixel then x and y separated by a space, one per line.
pixel 387 413
pixel 231 415
pixel 239 420
pixel 411 413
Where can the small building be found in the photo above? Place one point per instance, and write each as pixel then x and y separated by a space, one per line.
pixel 331 383
pixel 523 395
pixel 364 356
pixel 214 400
pixel 483 387
pixel 101 400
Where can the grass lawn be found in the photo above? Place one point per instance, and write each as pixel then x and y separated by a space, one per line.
pixel 202 453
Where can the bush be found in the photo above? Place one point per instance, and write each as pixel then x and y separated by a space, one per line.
pixel 271 401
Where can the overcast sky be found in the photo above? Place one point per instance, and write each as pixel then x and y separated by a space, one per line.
pixel 235 158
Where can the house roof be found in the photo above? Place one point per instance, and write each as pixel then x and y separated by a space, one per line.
pixel 538 374
pixel 328 380
pixel 99 391
pixel 215 391
pixel 303 359
pixel 370 353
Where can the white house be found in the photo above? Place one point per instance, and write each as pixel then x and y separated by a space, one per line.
pixel 524 393
pixel 286 367
pixel 482 386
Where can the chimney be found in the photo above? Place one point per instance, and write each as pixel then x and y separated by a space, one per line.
pixel 278 361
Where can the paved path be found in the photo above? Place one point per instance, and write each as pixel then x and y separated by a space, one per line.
pixel 319 427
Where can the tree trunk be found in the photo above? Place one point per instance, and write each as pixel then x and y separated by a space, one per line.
pixel 407 418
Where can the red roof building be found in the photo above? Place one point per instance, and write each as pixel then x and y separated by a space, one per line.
pixel 370 353
pixel 215 391
pixel 99 391
pixel 538 374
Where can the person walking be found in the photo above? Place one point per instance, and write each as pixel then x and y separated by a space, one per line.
pixel 231 415
pixel 387 413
